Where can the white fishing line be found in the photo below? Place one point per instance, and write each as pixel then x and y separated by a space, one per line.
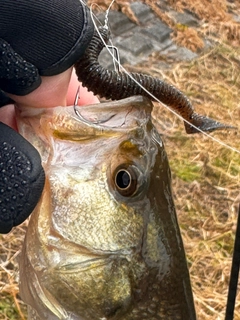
pixel 91 11
pixel 109 47
pixel 107 14
pixel 120 67
pixel 106 26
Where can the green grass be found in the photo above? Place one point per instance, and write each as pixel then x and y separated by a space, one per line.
pixel 185 170
pixel 8 309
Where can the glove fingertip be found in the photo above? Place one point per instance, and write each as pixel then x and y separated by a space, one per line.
pixel 21 178
pixel 17 76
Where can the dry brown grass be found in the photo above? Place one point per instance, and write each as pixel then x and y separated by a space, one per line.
pixel 11 306
pixel 119 5
pixel 187 37
pixel 205 174
pixel 216 17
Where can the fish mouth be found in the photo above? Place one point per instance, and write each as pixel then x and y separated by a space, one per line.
pixel 116 114
pixel 89 263
pixel 81 258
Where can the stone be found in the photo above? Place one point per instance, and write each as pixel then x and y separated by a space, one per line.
pixel 137 44
pixel 142 11
pixel 159 31
pixel 185 18
pixel 177 53
pixel 119 23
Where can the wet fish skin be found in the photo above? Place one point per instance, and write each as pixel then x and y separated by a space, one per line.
pixel 94 251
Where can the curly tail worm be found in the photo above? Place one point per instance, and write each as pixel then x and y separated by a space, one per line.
pixel 119 85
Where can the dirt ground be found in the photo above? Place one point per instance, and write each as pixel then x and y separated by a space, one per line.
pixel 205 173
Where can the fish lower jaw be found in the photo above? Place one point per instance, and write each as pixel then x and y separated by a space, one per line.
pixel 100 287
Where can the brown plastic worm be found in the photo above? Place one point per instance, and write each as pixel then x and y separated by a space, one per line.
pixel 119 85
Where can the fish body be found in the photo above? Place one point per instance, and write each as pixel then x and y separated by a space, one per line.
pixel 103 242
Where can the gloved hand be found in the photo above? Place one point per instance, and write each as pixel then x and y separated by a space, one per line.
pixel 37 38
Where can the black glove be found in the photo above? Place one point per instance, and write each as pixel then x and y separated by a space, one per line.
pixel 37 38
pixel 21 178
pixel 43 37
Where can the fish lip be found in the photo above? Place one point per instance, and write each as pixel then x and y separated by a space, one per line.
pixel 93 261
pixel 84 256
pixel 83 265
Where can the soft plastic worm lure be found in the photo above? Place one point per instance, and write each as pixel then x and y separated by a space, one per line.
pixel 117 85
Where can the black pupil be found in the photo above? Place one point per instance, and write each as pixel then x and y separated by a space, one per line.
pixel 123 179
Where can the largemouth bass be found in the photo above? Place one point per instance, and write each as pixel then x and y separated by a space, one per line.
pixel 104 241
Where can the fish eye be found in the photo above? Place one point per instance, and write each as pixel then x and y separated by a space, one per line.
pixel 126 181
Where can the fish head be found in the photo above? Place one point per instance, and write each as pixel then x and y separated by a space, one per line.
pixel 103 242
